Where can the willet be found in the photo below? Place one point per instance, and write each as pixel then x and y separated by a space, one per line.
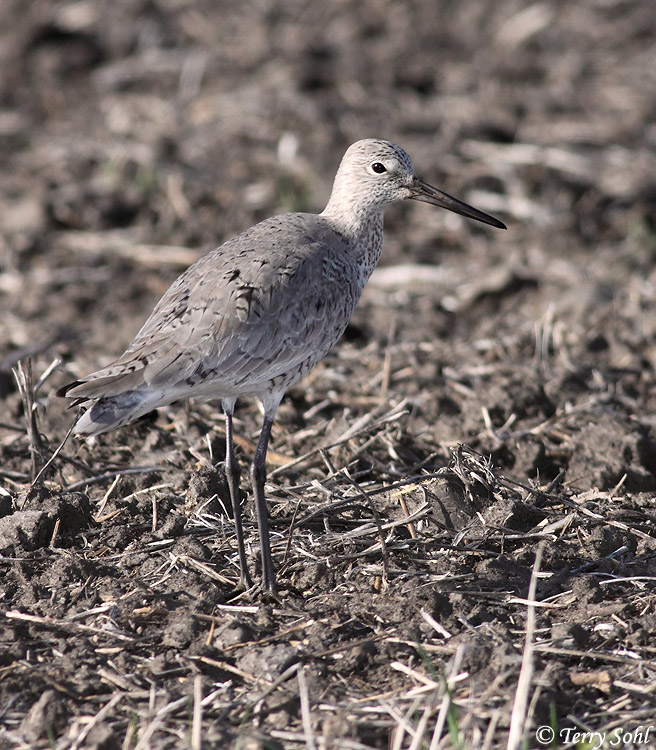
pixel 252 317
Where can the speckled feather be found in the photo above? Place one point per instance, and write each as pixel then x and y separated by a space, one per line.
pixel 252 317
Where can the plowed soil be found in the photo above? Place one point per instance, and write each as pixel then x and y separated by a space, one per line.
pixel 462 494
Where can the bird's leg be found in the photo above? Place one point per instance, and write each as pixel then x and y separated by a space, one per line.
pixel 258 476
pixel 232 475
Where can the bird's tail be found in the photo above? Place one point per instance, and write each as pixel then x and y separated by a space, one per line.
pixel 105 413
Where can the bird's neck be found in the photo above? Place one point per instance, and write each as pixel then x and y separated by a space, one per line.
pixel 363 230
pixel 353 221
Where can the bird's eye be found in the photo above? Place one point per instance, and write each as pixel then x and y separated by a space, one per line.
pixel 378 168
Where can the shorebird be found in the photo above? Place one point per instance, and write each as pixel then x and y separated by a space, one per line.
pixel 255 315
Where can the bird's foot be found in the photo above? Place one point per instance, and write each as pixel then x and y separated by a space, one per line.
pixel 268 592
pixel 245 583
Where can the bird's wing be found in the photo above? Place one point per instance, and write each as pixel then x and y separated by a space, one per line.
pixel 257 307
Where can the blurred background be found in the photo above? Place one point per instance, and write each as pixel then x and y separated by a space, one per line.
pixel 136 134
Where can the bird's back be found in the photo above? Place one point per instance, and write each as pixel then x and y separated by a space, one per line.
pixel 257 313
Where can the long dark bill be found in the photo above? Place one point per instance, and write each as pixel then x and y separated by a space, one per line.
pixel 425 193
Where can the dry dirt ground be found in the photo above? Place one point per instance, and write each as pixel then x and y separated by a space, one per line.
pixel 463 494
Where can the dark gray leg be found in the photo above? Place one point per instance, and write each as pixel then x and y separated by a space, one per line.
pixel 232 475
pixel 258 476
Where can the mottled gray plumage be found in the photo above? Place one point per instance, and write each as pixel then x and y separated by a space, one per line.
pixel 252 317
